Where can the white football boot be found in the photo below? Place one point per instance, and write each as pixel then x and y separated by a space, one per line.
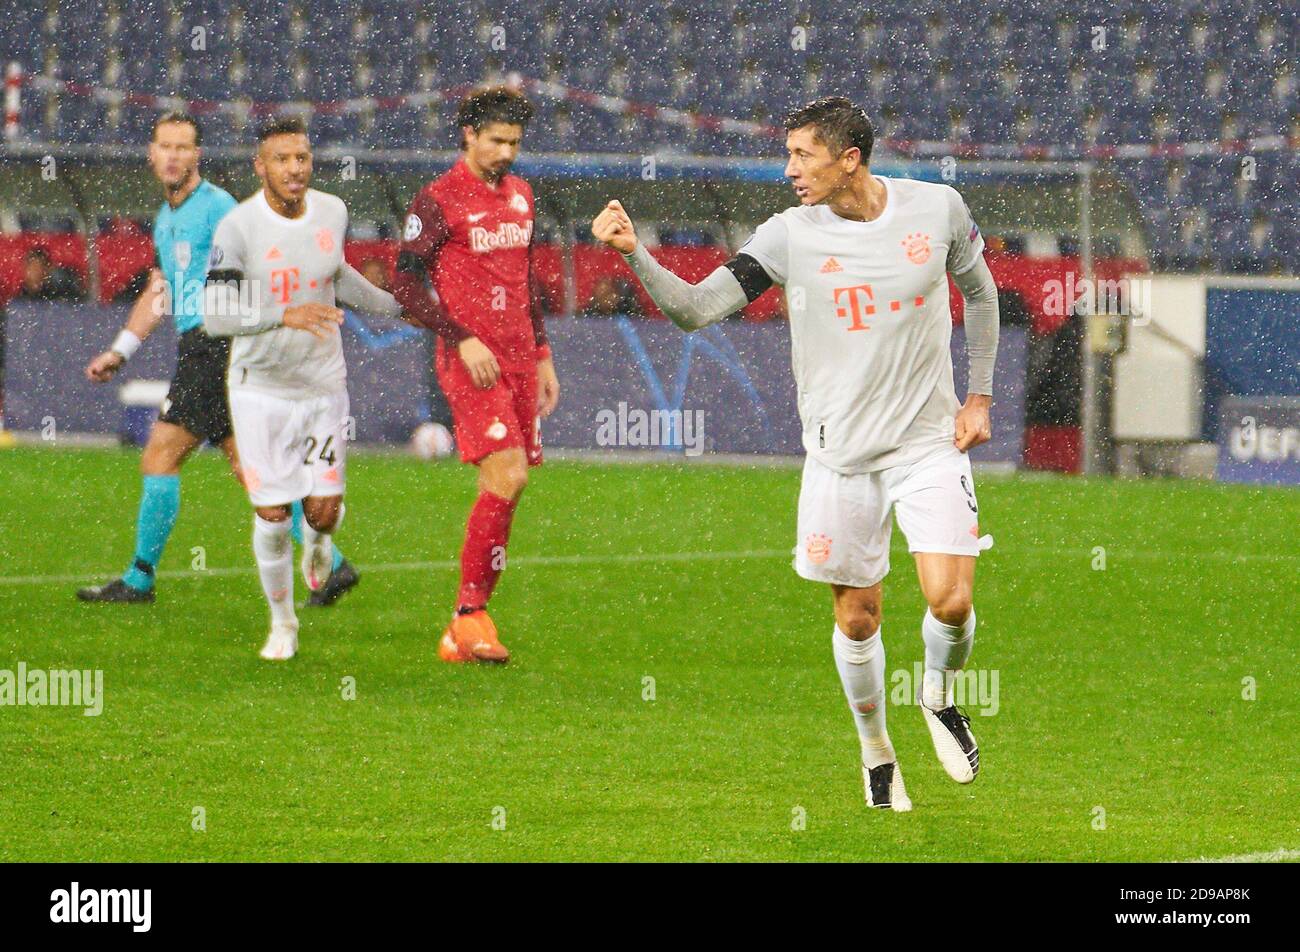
pixel 953 741
pixel 281 643
pixel 885 790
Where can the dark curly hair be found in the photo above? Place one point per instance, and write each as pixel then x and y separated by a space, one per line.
pixel 837 122
pixel 493 104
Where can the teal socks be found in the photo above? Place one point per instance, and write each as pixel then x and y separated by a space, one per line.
pixel 160 502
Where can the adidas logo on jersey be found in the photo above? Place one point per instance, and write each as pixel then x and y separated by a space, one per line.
pixel 831 266
pixel 274 254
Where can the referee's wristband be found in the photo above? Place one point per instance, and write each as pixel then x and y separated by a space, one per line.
pixel 126 344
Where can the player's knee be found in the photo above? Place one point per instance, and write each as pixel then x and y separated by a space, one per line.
pixel 322 514
pixel 509 482
pixel 156 461
pixel 951 608
pixel 858 621
pixel 518 481
pixel 273 513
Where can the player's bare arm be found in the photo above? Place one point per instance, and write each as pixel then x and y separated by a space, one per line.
pixel 145 316
pixel 479 361
pixel 689 306
pixel 548 387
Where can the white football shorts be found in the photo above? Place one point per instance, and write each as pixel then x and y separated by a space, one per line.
pixel 290 449
pixel 845 525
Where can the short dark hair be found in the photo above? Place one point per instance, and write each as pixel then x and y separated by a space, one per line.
pixel 37 253
pixel 281 126
pixel 837 122
pixel 493 104
pixel 177 116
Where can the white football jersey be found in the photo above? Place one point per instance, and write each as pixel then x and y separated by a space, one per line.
pixel 289 261
pixel 869 322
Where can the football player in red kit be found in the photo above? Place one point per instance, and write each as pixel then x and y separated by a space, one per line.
pixel 470 233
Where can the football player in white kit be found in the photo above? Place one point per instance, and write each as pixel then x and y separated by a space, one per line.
pixel 275 275
pixel 864 262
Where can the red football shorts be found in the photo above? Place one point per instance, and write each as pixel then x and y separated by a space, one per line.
pixel 501 417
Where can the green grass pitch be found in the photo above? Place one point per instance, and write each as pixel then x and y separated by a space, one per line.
pixel 1120 688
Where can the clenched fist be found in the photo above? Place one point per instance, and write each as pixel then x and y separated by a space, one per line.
pixel 972 425
pixel 102 368
pixel 613 227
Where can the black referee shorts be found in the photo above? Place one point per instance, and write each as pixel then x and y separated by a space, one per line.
pixel 197 397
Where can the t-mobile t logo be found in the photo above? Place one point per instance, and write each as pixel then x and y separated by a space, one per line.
pixel 858 301
pixel 284 282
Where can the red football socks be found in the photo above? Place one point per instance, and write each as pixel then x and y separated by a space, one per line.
pixel 484 554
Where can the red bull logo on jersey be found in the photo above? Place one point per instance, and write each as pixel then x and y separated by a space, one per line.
pixel 508 234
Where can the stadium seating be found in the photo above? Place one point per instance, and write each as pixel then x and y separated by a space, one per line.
pixel 1171 70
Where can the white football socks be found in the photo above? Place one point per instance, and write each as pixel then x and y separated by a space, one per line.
pixel 274 551
pixel 862 672
pixel 947 649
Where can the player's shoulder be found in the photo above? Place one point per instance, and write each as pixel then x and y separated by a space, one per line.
pixel 443 183
pixel 216 197
pixel 327 201
pixel 243 211
pixel 518 183
pixel 937 194
pixel 439 193
pixel 793 215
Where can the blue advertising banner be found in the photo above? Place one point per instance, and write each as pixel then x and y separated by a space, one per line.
pixel 1259 440
pixel 634 383
pixel 1252 346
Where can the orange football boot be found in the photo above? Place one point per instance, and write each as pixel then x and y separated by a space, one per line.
pixel 472 637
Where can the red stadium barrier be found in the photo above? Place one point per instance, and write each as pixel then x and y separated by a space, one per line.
pixel 123 254
pixel 66 251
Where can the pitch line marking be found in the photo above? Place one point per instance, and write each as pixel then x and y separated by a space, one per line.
pixel 1272 856
pixel 634 557
pixel 541 560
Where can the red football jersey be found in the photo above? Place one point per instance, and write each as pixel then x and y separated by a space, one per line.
pixel 475 241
